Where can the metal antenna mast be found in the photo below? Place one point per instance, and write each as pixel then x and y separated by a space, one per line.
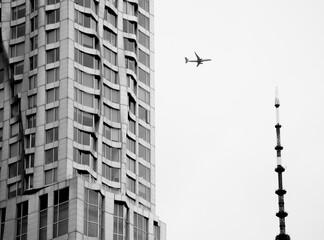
pixel 280 169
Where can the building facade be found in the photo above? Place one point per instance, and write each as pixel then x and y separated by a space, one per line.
pixel 77 131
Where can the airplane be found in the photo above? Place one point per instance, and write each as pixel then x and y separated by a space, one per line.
pixel 198 61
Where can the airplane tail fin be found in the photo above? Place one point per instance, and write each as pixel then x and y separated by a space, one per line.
pixel 186 60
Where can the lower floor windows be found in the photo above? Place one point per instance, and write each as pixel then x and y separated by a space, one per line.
pixel 93 213
pixel 22 221
pixel 61 212
pixel 140 227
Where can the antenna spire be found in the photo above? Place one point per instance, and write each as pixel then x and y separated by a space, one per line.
pixel 282 214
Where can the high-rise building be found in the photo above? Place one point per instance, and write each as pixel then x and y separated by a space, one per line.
pixel 77 120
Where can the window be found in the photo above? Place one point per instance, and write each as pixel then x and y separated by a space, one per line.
pixel 144 39
pixel 156 231
pixel 14 190
pixel 18 31
pixel 144 152
pixel 31 121
pixel 1 115
pixel 144 133
pixel 17 50
pixel 32 82
pixel 53 36
pixel 83 118
pixel 85 20
pixel 111 173
pixel 22 221
pixel 29 181
pixel 110 36
pixel 144 172
pixel 43 205
pixel 111 17
pixel 51 176
pixel 18 12
pixel 33 23
pixel 18 68
pixel 51 135
pixel 131 184
pixel 61 212
pixel 2 221
pixel 32 101
pixel 85 158
pixel 145 4
pixel 144 192
pixel 129 8
pixel 110 153
pixel 111 114
pixel 109 55
pixel 110 75
pixel 52 115
pixel 129 27
pixel 86 59
pixel 85 40
pixel 14 129
pixel 144 95
pixel 52 75
pixel 120 222
pixel 144 58
pixel 17 88
pixel 131 64
pixel 130 45
pixel 33 5
pixel 88 4
pixel 86 79
pixel 93 213
pixel 86 99
pixel 131 126
pixel 143 114
pixel 29 160
pixel 15 149
pixel 1 75
pixel 53 16
pixel 15 112
pixel 53 55
pixel 15 169
pixel 131 145
pixel 49 2
pixel 33 43
pixel 52 95
pixel 33 62
pixel 84 138
pixel 30 140
pixel 140 227
pixel 131 164
pixel 144 21
pixel 51 155
pixel 111 94
pixel 110 133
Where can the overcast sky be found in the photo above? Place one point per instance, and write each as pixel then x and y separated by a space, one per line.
pixel 215 133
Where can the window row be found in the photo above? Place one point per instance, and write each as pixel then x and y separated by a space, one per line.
pixel 113 134
pixel 111 114
pixel 86 59
pixel 85 158
pixel 84 138
pixel 84 118
pixel 110 153
pixel 85 20
pixel 111 173
pixel 86 99
pixel 86 79
pixel 88 4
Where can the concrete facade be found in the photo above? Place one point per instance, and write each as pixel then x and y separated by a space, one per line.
pixel 77 125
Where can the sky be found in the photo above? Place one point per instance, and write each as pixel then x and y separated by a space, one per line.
pixel 215 133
